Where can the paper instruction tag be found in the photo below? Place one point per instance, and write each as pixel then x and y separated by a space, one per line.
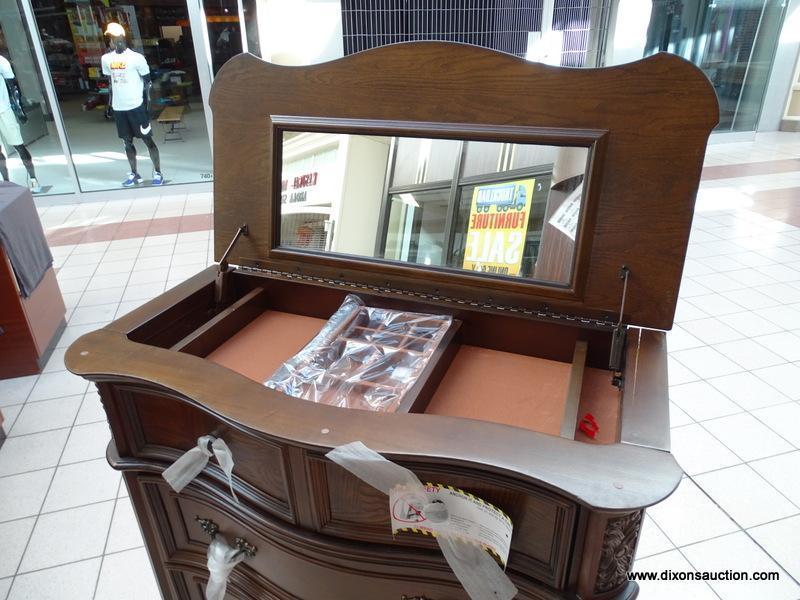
pixel 437 509
pixel 566 217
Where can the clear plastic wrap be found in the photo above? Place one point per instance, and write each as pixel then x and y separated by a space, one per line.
pixel 363 357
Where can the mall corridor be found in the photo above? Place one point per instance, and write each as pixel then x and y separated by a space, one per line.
pixel 734 369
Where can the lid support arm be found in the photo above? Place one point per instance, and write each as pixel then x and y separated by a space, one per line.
pixel 620 330
pixel 223 269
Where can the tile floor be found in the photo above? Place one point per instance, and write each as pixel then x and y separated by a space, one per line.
pixel 734 369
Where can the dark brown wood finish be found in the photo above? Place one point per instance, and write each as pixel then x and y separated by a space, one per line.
pixel 320 532
pixel 658 113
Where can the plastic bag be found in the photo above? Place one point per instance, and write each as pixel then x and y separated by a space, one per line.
pixel 183 471
pixel 222 558
pixel 363 357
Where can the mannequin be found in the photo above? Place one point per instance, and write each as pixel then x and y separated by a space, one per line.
pixel 130 87
pixel 12 115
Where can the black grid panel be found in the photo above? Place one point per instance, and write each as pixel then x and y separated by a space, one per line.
pixel 498 24
pixel 573 18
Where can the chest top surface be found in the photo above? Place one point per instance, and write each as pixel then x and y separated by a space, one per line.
pixel 459 174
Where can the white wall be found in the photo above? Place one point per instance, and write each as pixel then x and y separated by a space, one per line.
pixel 627 31
pixel 780 78
pixel 359 210
pixel 300 32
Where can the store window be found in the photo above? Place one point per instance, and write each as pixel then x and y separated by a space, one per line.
pixel 732 41
pixel 224 31
pixel 167 134
pixel 31 152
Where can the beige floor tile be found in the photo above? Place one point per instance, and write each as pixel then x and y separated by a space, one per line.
pixel 670 590
pixel 783 472
pixel 746 496
pixel 46 415
pixel 781 540
pixel 125 533
pixel 81 483
pixel 737 552
pixel 748 391
pixel 75 581
pixel 22 495
pixel 67 536
pixel 16 390
pixel 701 401
pixel 127 576
pixel 58 385
pixel 91 410
pixel 86 442
pixel 652 540
pixel 14 536
pixel 782 419
pixel 747 437
pixel 31 452
pixel 697 451
pixel 689 516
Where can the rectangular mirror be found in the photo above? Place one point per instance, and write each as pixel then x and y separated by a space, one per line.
pixel 499 209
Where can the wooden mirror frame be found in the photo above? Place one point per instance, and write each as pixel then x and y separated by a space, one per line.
pixel 591 139
pixel 652 119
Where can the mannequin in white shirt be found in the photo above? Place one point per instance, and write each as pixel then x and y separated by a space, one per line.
pixel 130 99
pixel 11 126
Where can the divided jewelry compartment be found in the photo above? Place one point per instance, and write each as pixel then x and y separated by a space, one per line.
pixel 507 369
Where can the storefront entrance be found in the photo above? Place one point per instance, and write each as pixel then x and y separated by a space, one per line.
pixel 55 47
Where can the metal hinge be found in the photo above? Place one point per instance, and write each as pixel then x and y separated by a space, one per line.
pixel 544 313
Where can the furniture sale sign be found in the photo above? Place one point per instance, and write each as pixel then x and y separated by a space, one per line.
pixel 498 221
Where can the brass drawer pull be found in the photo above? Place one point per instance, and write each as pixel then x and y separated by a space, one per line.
pixel 242 545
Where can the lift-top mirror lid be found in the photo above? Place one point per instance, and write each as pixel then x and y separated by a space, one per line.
pixel 644 127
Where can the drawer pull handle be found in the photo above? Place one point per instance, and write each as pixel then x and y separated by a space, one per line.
pixel 404 597
pixel 242 545
pixel 208 526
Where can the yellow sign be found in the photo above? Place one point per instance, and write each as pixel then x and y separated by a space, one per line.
pixel 498 221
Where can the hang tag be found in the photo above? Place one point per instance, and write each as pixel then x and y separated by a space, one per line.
pixel 435 509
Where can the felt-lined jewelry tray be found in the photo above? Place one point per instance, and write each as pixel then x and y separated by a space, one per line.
pixel 364 357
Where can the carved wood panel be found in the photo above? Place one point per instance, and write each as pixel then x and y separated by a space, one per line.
pixel 616 556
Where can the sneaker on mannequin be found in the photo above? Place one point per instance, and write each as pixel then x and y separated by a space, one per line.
pixel 132 179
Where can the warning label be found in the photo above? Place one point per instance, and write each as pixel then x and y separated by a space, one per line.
pixel 437 509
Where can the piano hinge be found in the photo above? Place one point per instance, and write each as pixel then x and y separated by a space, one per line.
pixel 543 313
pixel 620 333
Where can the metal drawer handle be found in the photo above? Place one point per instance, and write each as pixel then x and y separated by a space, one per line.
pixel 242 545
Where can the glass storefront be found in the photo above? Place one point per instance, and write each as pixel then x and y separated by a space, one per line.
pixel 732 41
pixel 38 136
pixel 73 38
pixel 71 141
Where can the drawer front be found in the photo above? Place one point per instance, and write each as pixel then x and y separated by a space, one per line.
pixel 544 523
pixel 290 563
pixel 160 427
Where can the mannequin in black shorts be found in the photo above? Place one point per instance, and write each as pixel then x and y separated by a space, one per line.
pixel 135 122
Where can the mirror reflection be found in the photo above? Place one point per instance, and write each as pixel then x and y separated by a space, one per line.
pixel 500 209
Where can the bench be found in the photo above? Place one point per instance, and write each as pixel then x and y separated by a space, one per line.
pixel 171 117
